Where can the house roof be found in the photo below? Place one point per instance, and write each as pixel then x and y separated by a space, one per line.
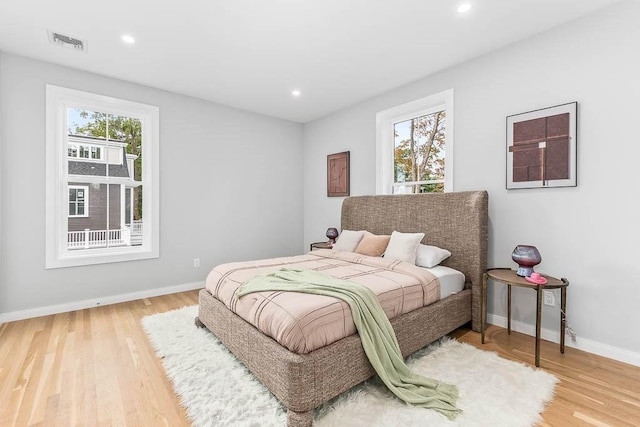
pixel 99 169
pixel 79 167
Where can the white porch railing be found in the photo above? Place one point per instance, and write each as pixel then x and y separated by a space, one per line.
pixel 130 235
pixel 136 232
pixel 136 227
pixel 97 238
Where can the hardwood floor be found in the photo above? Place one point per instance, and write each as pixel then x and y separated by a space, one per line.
pixel 92 367
pixel 593 390
pixel 95 367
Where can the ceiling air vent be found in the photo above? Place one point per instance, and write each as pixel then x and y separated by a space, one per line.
pixel 67 41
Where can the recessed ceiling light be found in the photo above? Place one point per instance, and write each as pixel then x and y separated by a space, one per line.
pixel 464 8
pixel 128 39
pixel 296 93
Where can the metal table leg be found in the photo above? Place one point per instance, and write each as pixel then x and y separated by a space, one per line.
pixel 563 316
pixel 483 308
pixel 508 309
pixel 538 324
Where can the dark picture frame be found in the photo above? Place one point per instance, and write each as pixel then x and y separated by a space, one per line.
pixel 338 174
pixel 542 148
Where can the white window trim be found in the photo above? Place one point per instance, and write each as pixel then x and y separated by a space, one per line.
pixel 86 200
pixel 58 99
pixel 385 121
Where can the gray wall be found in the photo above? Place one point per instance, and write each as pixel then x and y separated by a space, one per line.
pixel 229 189
pixel 588 234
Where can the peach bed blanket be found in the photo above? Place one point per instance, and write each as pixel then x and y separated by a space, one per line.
pixel 302 322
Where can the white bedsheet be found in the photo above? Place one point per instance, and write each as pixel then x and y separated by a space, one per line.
pixel 451 280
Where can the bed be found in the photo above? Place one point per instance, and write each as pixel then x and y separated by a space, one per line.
pixel 302 382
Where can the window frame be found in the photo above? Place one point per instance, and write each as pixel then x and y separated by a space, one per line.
pixel 58 100
pixel 385 143
pixel 85 197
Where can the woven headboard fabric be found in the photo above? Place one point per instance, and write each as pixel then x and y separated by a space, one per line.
pixel 453 221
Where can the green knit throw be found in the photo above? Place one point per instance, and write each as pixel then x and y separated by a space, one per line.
pixel 376 333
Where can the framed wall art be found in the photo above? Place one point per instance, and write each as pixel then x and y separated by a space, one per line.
pixel 541 148
pixel 338 174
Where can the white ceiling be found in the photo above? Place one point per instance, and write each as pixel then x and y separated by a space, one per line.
pixel 251 54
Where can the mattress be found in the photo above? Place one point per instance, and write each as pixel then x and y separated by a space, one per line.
pixel 302 322
pixel 451 280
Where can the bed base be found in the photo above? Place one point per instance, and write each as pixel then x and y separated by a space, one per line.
pixel 303 382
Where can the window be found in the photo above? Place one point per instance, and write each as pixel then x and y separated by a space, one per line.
pixel 101 153
pixel 78 200
pixel 414 146
pixel 84 152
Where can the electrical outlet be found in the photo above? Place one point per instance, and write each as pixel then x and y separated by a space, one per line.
pixel 196 262
pixel 548 298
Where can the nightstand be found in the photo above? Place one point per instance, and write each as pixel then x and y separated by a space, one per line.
pixel 319 245
pixel 510 278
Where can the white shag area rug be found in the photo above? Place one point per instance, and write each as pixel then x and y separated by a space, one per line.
pixel 217 390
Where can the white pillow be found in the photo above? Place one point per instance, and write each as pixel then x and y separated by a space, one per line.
pixel 348 240
pixel 403 246
pixel 430 256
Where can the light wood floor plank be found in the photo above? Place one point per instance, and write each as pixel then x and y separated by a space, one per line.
pixel 95 367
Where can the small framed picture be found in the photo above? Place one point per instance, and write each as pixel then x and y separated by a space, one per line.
pixel 541 148
pixel 338 174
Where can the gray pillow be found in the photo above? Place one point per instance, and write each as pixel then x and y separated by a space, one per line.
pixel 348 240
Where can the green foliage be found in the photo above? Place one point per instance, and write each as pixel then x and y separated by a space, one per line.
pixel 432 188
pixel 420 156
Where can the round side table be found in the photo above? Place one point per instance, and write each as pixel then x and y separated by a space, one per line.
pixel 319 245
pixel 510 278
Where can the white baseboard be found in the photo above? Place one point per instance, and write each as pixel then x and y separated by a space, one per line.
pixel 81 305
pixel 583 344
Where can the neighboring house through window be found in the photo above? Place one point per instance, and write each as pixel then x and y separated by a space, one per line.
pixel 414 146
pixel 101 154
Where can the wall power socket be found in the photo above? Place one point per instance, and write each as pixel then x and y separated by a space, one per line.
pixel 548 298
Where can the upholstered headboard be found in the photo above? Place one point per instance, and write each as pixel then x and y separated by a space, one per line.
pixel 454 221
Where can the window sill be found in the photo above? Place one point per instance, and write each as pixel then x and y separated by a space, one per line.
pixel 100 256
